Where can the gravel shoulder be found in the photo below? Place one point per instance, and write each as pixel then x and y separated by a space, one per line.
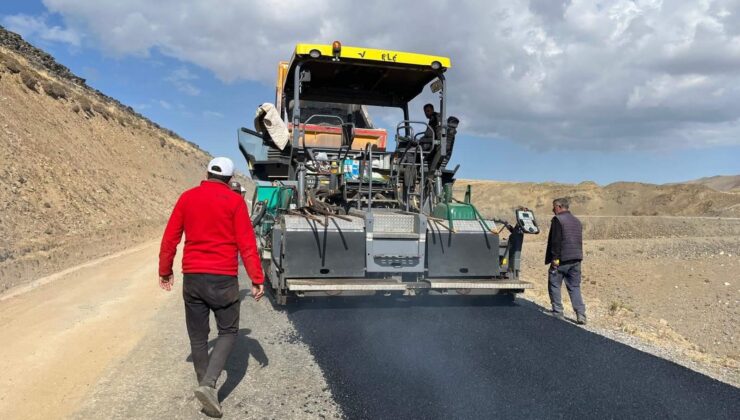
pixel 270 374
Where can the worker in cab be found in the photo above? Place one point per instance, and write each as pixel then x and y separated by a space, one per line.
pixel 433 118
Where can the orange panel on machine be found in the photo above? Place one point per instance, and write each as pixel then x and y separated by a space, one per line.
pixel 331 137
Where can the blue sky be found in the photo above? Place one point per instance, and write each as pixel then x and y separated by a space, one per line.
pixel 526 128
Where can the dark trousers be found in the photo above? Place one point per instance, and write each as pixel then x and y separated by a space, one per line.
pixel 571 273
pixel 204 293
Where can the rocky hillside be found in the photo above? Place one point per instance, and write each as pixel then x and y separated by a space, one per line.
pixel 81 175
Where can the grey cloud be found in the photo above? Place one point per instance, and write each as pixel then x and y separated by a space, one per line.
pixel 550 9
pixel 611 75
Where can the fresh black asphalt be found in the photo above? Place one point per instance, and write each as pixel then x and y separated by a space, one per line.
pixel 474 357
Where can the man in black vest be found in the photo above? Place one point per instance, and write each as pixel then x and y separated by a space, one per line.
pixel 564 254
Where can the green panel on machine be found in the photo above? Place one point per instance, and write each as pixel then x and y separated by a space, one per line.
pixel 275 197
pixel 454 211
pixel 451 209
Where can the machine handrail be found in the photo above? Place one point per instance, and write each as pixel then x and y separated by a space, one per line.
pixel 368 154
pixel 420 154
pixel 305 123
pixel 407 124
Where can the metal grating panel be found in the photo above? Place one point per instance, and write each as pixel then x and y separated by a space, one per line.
pixel 462 225
pixel 472 225
pixel 396 223
pixel 298 223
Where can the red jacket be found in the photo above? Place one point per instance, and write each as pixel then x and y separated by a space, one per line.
pixel 216 224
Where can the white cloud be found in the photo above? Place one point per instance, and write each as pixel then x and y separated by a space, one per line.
pixel 181 78
pixel 212 114
pixel 618 74
pixel 37 27
pixel 164 104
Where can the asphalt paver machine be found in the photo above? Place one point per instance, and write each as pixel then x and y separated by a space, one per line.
pixel 339 212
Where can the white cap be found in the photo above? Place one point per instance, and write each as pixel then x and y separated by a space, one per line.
pixel 221 166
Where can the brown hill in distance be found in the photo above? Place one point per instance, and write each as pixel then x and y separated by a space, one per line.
pixel 728 183
pixel 499 199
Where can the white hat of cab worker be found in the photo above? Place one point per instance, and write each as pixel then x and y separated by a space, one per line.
pixel 221 166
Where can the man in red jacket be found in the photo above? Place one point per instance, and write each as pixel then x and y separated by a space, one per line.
pixel 217 226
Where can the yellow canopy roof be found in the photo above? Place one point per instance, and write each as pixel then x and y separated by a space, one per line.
pixel 370 54
pixel 362 75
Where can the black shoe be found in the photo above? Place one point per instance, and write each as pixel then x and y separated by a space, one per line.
pixel 209 400
pixel 558 315
pixel 581 319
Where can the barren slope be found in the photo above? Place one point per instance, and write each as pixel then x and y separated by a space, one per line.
pixel 80 174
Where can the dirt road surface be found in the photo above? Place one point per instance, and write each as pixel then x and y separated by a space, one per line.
pixel 103 341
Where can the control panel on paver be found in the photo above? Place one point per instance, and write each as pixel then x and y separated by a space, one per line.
pixel 525 219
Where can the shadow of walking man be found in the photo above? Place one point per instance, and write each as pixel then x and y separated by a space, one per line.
pixel 238 362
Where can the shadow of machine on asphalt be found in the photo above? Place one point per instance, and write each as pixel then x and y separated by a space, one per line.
pixel 346 302
pixel 389 302
pixel 238 362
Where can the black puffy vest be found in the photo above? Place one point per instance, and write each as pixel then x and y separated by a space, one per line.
pixel 572 245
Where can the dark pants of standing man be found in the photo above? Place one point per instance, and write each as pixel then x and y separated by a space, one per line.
pixel 571 273
pixel 204 293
